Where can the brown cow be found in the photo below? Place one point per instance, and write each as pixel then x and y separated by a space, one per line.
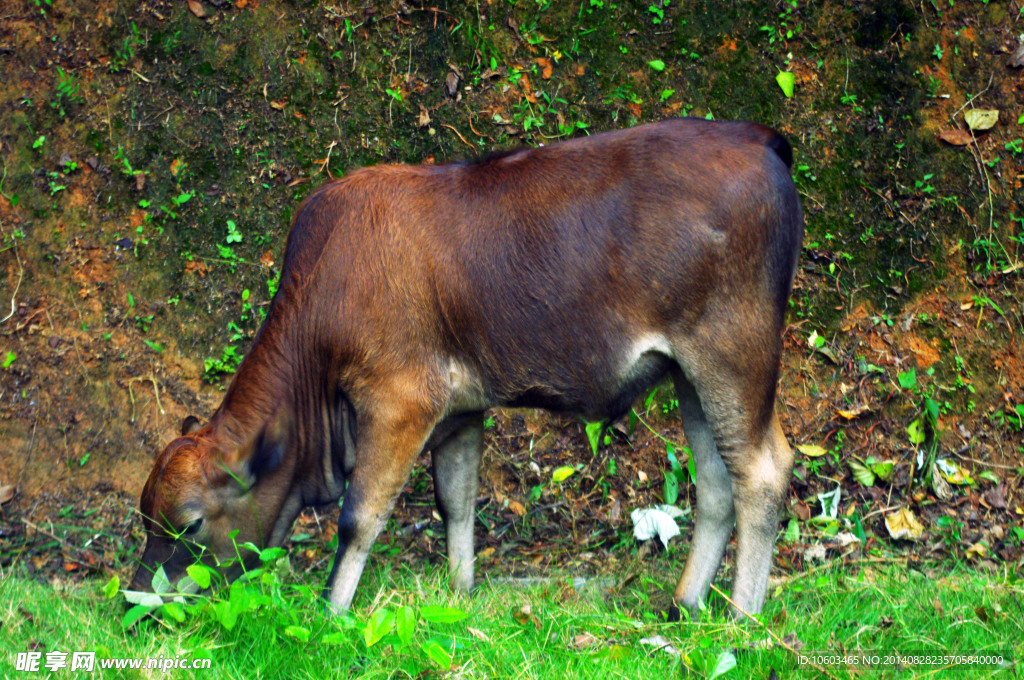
pixel 571 277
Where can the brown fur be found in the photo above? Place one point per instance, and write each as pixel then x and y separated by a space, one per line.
pixel 412 298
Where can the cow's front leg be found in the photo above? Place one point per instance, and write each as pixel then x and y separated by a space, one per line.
pixel 456 480
pixel 387 449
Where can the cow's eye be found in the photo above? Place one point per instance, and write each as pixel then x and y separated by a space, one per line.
pixel 192 528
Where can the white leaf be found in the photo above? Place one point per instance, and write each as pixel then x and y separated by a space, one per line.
pixel 151 600
pixel 830 503
pixel 651 522
pixel 161 584
pixel 673 511
pixel 661 643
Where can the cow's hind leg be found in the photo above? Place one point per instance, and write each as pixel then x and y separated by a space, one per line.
pixel 715 513
pixel 456 480
pixel 736 388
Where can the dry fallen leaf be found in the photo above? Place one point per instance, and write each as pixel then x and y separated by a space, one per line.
pixel 6 493
pixel 478 634
pixel 278 105
pixel 424 118
pixel 956 137
pixel 583 640
pixel 546 67
pixel 855 411
pixel 196 8
pixel 981 119
pixel 977 550
pixel 811 450
pixel 903 524
pixel 517 508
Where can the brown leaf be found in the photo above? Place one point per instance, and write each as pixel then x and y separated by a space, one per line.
pixel 903 524
pixel 478 634
pixel 583 640
pixel 451 83
pixel 524 82
pixel 6 493
pixel 140 181
pixel 546 67
pixel 955 137
pixel 196 8
pixel 1017 60
pixel 176 165
pixel 424 118
pixel 279 105
pixel 517 508
pixel 996 496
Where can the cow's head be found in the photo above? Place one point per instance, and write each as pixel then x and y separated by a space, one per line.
pixel 201 501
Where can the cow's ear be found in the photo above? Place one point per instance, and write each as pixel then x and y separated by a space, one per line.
pixel 190 425
pixel 267 450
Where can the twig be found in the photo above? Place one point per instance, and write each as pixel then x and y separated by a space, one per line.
pixel 459 134
pixel 156 390
pixel 21 275
pixel 328 160
pixel 768 630
pixel 478 134
pixel 655 432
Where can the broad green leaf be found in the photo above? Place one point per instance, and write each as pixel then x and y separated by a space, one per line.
pixel 792 534
pixel 863 475
pixel 657 64
pixel 916 431
pixel 671 488
pixel 561 474
pixel 787 82
pixel 858 529
pixel 908 379
pixel 725 662
pixel 334 639
pixel 225 614
pixel 594 430
pixel 989 475
pixel 113 585
pixel 200 574
pixel 174 611
pixel 438 654
pixel 380 624
pixel 405 624
pixel 134 614
pixel 298 632
pixel 271 554
pixel 9 359
pixel 883 470
pixel 436 614
pixel 673 461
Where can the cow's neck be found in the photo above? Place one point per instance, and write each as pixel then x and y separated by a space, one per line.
pixel 279 373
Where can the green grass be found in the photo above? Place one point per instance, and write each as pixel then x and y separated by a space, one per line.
pixel 549 629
